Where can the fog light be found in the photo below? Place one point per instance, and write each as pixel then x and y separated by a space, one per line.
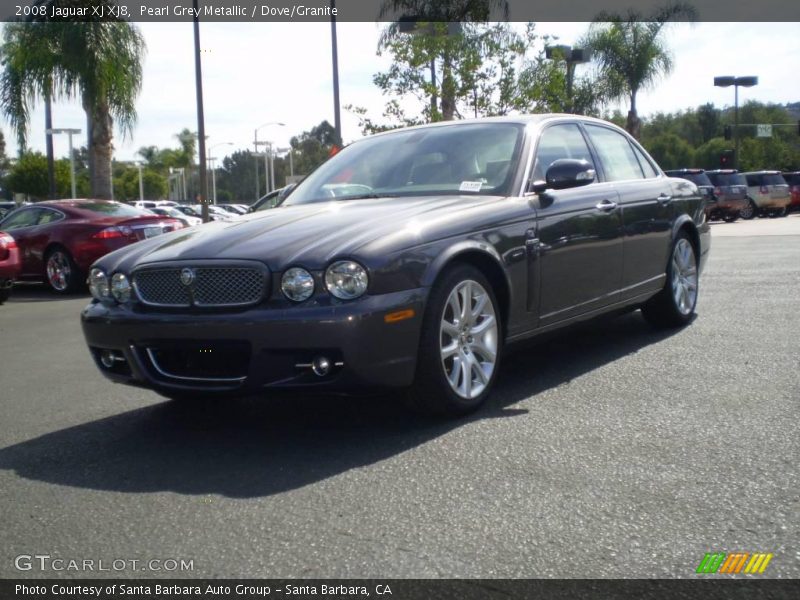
pixel 109 357
pixel 321 366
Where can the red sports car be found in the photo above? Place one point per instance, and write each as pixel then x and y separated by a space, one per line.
pixel 59 240
pixel 9 265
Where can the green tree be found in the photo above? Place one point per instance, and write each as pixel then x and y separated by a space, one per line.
pixel 312 148
pixel 126 183
pixel 631 52
pixel 438 37
pixel 671 151
pixel 707 155
pixel 28 176
pixel 98 62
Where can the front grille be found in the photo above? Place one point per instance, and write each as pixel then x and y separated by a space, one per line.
pixel 162 287
pixel 217 286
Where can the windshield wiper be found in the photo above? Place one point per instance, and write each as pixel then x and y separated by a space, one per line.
pixel 365 197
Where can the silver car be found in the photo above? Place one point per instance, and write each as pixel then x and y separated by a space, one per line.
pixel 769 192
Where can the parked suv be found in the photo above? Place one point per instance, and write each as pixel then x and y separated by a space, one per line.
pixel 730 189
pixel 769 191
pixel 793 180
pixel 703 183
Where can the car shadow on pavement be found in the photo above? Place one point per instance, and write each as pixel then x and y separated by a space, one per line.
pixel 256 447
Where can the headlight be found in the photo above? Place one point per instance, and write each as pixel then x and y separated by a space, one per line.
pixel 98 284
pixel 120 288
pixel 297 284
pixel 346 279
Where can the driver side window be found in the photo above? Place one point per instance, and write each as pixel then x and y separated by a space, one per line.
pixel 559 141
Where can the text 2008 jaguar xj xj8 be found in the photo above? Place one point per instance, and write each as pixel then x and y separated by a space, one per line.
pixel 408 260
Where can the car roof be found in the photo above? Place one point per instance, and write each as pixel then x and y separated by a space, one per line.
pixel 761 173
pixel 514 120
pixel 724 171
pixel 690 171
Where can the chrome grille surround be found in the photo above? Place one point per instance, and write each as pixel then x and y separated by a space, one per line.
pixel 213 285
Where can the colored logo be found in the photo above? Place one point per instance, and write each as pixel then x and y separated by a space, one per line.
pixel 735 562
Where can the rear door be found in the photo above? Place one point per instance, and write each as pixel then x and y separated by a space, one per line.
pixel 646 207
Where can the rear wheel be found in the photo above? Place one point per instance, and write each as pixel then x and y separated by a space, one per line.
pixel 460 345
pixel 749 211
pixel 674 305
pixel 60 271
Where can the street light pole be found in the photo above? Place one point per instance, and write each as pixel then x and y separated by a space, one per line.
pixel 337 119
pixel 214 170
pixel 201 124
pixel 727 81
pixel 141 184
pixel 70 133
pixel 256 144
pixel 573 57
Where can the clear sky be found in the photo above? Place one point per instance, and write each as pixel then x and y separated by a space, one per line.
pixel 259 72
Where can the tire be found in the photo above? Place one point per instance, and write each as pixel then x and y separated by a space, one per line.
pixel 60 272
pixel 675 304
pixel 5 293
pixel 781 212
pixel 730 217
pixel 749 211
pixel 448 346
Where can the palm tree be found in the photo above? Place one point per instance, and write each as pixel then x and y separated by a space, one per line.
pixel 98 62
pixel 631 52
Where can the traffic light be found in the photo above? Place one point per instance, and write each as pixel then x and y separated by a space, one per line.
pixel 726 159
pixel 728 132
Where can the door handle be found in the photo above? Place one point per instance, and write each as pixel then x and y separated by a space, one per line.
pixel 664 199
pixel 606 205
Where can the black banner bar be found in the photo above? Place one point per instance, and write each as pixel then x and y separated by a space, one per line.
pixel 400 589
pixel 290 11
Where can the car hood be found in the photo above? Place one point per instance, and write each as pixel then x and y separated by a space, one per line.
pixel 314 234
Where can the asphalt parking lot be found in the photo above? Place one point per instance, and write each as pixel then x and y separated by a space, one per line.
pixel 614 451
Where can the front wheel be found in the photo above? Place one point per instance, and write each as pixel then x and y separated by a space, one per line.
pixel 674 305
pixel 730 217
pixel 460 345
pixel 61 272
pixel 749 211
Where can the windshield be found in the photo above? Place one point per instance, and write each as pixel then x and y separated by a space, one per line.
pixel 475 158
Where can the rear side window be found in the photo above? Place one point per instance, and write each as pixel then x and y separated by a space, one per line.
pixel 753 180
pixel 49 216
pixel 648 168
pixel 616 154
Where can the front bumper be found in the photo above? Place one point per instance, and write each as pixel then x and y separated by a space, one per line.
pixel 364 350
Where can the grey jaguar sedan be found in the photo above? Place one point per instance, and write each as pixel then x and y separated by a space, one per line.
pixel 408 261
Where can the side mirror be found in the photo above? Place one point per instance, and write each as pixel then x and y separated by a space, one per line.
pixel 566 173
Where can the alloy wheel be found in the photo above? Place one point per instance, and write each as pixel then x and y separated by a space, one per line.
pixel 469 339
pixel 59 271
pixel 684 276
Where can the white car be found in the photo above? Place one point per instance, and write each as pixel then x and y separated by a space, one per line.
pixel 170 211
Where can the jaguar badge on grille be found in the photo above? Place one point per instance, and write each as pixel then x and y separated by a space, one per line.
pixel 187 276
